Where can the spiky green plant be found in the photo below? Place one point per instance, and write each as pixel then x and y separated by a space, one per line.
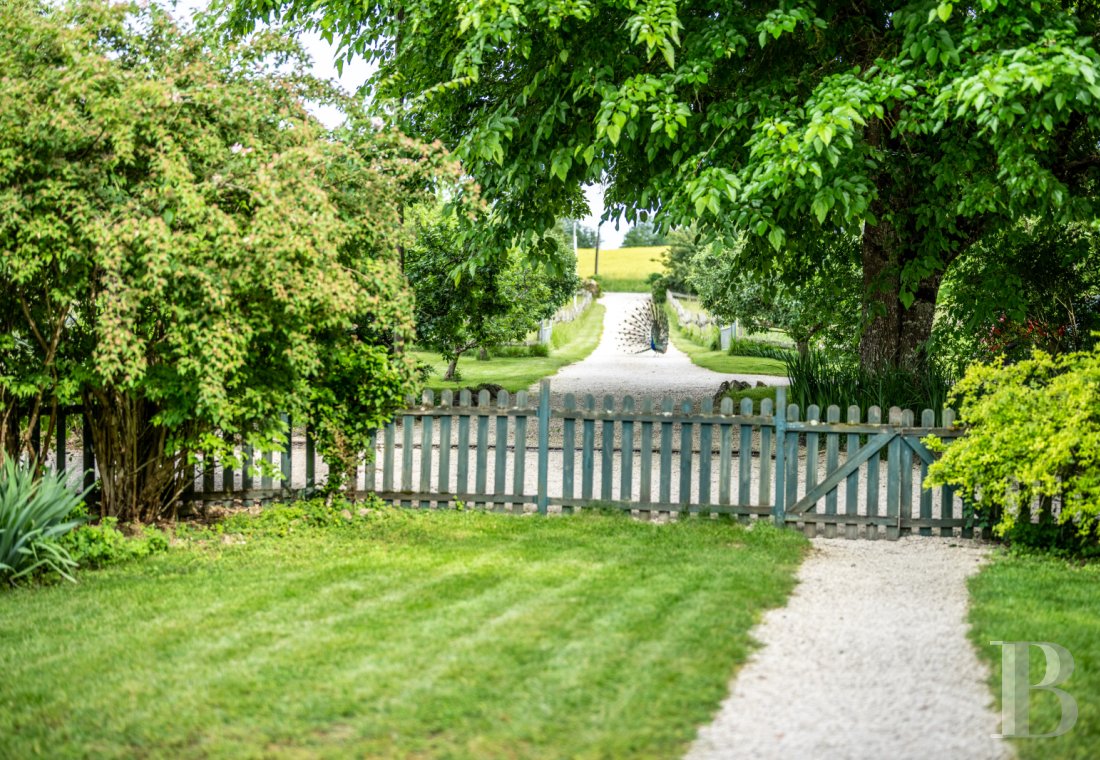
pixel 34 513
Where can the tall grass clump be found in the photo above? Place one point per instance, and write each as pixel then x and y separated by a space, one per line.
pixel 817 378
pixel 34 515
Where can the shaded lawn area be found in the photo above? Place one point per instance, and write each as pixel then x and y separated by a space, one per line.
pixel 720 361
pixel 398 634
pixel 1031 598
pixel 572 342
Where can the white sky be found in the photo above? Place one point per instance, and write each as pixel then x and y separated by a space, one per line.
pixel 357 72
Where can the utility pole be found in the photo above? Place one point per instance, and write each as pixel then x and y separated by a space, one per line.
pixel 597 268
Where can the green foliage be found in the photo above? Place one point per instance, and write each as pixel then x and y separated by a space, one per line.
pixel 1033 286
pixel 35 513
pixel 821 308
pixel 185 251
pixel 103 544
pixel 683 245
pixel 817 377
pixel 761 348
pixel 501 301
pixel 281 520
pixel 643 234
pixel 914 128
pixel 1033 434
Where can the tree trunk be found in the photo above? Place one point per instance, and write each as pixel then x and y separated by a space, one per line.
pixel 450 373
pixel 140 479
pixel 893 335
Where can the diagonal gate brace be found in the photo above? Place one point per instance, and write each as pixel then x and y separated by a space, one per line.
pixel 854 462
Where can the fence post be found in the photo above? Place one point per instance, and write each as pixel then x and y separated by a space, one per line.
pixel 779 510
pixel 544 446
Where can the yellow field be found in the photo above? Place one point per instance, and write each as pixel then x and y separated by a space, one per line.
pixel 622 268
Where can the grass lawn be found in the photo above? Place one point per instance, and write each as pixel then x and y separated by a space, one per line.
pixel 622 269
pixel 1022 598
pixel 400 634
pixel 572 342
pixel 720 361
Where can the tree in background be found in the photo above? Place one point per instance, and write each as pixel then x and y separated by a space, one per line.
pixel 643 234
pixel 501 301
pixel 918 128
pixel 821 306
pixel 186 252
pixel 586 236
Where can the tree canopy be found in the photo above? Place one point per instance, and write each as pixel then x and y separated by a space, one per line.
pixel 643 234
pixel 185 251
pixel 917 127
pixel 502 301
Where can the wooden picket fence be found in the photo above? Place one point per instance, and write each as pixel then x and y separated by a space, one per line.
pixel 521 453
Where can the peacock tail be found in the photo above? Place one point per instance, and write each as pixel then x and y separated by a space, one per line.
pixel 646 329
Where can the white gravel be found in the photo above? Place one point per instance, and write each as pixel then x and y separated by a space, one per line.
pixel 869 659
pixel 613 370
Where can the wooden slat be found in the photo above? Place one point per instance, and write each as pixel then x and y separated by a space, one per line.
pixel 389 448
pixel 906 472
pixel 893 481
pixel 427 434
pixel 519 453
pixel 446 401
pixel 248 463
pixel 832 449
pixel 851 486
pixel 687 435
pixel 874 416
pixel 543 504
pixel 370 478
pixel 791 456
pixel 568 453
pixel 286 463
pixel 645 460
pixel 311 463
pixel 665 489
pixel 927 418
pixel 666 507
pixel 744 456
pixel 407 424
pixel 607 450
pixel 462 483
pixel 588 436
pixel 500 444
pixel 706 451
pixel 947 493
pixel 765 490
pixel 626 463
pixel 481 464
pixel 725 453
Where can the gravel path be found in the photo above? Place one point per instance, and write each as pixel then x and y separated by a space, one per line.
pixel 612 370
pixel 869 659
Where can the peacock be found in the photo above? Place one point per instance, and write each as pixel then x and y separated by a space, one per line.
pixel 646 329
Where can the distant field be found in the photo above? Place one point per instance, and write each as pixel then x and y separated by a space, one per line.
pixel 622 269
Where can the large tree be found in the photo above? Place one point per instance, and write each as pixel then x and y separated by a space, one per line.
pixel 185 252
pixel 919 127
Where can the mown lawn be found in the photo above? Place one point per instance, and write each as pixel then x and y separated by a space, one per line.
pixel 1022 598
pixel 720 361
pixel 396 634
pixel 622 269
pixel 572 342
